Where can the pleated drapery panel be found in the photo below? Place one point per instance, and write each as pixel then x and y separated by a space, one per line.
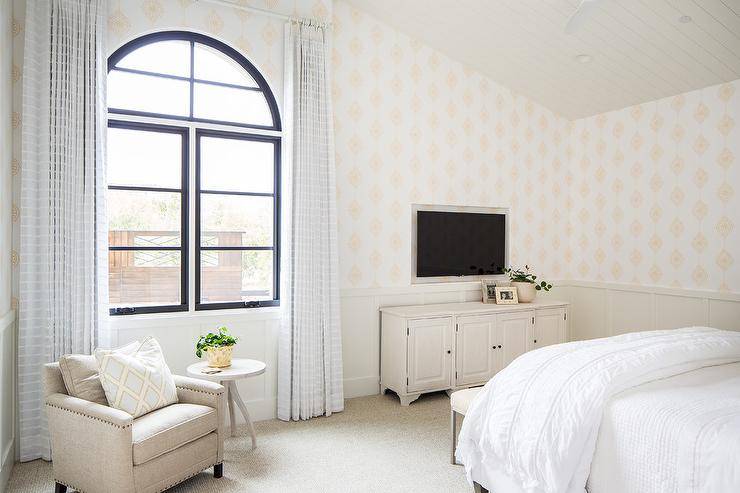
pixel 63 276
pixel 310 379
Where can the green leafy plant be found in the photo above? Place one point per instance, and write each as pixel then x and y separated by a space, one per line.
pixel 217 339
pixel 520 275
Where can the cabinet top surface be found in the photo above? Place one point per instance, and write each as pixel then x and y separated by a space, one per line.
pixel 467 308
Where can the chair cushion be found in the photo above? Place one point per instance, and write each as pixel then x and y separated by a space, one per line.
pixel 80 375
pixel 460 401
pixel 137 383
pixel 168 428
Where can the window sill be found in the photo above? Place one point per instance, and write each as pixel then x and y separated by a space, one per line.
pixel 176 319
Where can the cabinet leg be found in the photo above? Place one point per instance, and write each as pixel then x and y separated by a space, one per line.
pixel 383 389
pixel 407 399
pixel 60 488
pixel 218 470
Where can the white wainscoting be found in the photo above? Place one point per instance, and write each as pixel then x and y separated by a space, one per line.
pixel 605 309
pixel 597 310
pixel 8 396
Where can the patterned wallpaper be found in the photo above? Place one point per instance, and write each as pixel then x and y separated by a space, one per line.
pixel 414 126
pixel 602 198
pixel 654 192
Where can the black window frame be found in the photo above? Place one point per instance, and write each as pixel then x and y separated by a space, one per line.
pixel 165 122
pixel 193 38
pixel 275 248
pixel 184 216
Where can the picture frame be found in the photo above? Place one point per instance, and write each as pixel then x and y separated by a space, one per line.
pixel 506 295
pixel 488 290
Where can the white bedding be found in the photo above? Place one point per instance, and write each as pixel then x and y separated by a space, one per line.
pixel 535 424
pixel 673 435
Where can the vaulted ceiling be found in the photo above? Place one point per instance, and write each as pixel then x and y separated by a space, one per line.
pixel 639 50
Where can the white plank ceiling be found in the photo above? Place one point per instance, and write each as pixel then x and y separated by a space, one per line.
pixel 639 49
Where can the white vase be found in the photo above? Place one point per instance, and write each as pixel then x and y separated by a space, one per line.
pixel 525 291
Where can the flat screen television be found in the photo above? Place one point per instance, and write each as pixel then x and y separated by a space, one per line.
pixel 460 243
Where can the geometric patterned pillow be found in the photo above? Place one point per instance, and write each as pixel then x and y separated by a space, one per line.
pixel 137 383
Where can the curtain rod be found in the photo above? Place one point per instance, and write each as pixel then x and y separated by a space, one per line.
pixel 268 13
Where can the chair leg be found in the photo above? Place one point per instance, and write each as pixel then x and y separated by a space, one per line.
pixel 479 489
pixel 453 431
pixel 60 488
pixel 218 470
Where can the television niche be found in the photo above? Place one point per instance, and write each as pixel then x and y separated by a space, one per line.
pixel 460 243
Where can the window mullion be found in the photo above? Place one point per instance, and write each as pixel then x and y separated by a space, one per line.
pixel 193 257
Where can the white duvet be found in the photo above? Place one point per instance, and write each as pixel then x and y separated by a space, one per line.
pixel 537 421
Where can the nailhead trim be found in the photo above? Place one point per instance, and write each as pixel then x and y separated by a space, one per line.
pixel 199 391
pixel 90 417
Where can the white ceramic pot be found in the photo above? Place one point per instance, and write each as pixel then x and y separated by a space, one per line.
pixel 525 291
pixel 219 357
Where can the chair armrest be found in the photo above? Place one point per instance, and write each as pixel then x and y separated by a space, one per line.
pixel 205 393
pixel 196 391
pixel 87 436
pixel 90 410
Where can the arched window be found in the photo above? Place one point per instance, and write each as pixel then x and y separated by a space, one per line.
pixel 193 145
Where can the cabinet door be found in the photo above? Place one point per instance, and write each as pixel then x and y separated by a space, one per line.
pixel 473 362
pixel 429 354
pixel 516 329
pixel 549 327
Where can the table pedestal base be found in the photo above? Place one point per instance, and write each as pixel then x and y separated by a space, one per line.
pixel 235 398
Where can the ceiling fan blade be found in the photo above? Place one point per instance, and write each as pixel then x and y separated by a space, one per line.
pixel 580 16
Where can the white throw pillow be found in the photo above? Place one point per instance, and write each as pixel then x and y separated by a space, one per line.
pixel 137 383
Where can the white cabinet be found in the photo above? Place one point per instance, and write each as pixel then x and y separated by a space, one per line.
pixel 515 329
pixel 426 348
pixel 549 327
pixel 429 353
pixel 474 352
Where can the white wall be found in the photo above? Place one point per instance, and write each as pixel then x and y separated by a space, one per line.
pixel 7 316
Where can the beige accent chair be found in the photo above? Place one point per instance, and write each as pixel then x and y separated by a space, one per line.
pixel 99 448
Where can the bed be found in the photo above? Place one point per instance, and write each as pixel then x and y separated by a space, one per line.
pixel 654 411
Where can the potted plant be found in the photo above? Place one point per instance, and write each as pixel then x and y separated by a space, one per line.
pixel 217 346
pixel 526 284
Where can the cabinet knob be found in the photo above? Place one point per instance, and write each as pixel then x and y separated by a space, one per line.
pixel 535 341
pixel 449 352
pixel 499 346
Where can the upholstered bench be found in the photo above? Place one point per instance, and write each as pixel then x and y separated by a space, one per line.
pixel 459 404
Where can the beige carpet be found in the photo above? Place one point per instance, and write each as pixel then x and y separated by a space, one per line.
pixel 375 445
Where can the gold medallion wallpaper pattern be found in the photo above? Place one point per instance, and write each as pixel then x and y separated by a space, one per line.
pixel 644 195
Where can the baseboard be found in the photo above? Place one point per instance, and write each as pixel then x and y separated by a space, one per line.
pixel 361 386
pixel 6 467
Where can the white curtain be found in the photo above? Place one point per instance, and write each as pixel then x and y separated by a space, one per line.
pixel 63 233
pixel 310 347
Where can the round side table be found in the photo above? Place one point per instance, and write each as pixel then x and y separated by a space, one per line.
pixel 240 368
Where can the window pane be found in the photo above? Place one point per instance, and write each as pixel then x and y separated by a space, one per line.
pixel 236 276
pixel 132 214
pixel 237 165
pixel 139 278
pixel 147 93
pixel 163 57
pixel 144 158
pixel 211 64
pixel 227 104
pixel 236 220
